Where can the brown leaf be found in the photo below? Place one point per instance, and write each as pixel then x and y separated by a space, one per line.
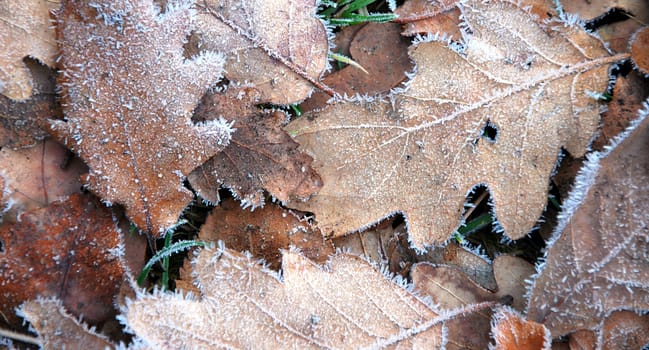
pixel 34 177
pixel 621 330
pixel 639 45
pixel 59 330
pixel 128 94
pixel 597 259
pixel 424 16
pixel 512 332
pixel 346 305
pixel 528 86
pixel 25 30
pixel 68 251
pixel 264 232
pixel 279 46
pixel 260 155
pixel 450 288
pixel 377 47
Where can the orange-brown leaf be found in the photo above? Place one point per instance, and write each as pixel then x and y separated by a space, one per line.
pixel 640 50
pixel 512 331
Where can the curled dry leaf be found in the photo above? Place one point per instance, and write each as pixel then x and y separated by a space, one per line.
pixel 34 177
pixel 345 305
pixel 128 94
pixel 260 155
pixel 265 233
pixel 59 330
pixel 495 111
pixel 512 331
pixel 597 260
pixel 450 288
pixel 25 30
pixel 279 46
pixel 640 50
pixel 66 250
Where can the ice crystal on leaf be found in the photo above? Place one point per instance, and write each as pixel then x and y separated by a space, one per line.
pixel 525 79
pixel 128 94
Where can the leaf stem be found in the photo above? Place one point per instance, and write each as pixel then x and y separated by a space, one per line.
pixel 20 337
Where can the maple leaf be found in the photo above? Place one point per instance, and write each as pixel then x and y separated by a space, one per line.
pixel 128 94
pixel 25 30
pixel 596 260
pixel 347 304
pixel 66 250
pixel 59 330
pixel 493 110
pixel 279 46
pixel 260 155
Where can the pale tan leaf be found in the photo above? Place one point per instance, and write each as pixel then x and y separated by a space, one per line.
pixel 128 93
pixel 598 259
pixel 280 46
pixel 530 83
pixel 59 330
pixel 347 304
pixel 25 30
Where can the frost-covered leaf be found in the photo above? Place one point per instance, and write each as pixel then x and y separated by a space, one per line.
pixel 25 30
pixel 345 305
pixel 598 259
pixel 128 94
pixel 495 110
pixel 59 330
pixel 511 331
pixel 264 232
pixel 261 156
pixel 34 177
pixel 621 330
pixel 67 250
pixel 424 16
pixel 266 43
pixel 640 50
pixel 450 288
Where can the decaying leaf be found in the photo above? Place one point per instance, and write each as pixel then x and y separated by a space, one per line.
pixel 128 94
pixel 264 232
pixel 34 177
pixel 279 46
pixel 260 155
pixel 495 110
pixel 640 50
pixel 621 330
pixel 345 305
pixel 512 332
pixel 25 30
pixel 450 288
pixel 67 250
pixel 59 330
pixel 597 261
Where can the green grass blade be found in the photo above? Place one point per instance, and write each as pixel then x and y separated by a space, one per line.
pixel 357 19
pixel 167 252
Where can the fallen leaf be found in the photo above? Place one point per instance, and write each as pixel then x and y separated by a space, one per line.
pixel 66 250
pixel 621 330
pixel 265 233
pixel 128 94
pixel 380 49
pixel 57 329
pixel 37 176
pixel 639 45
pixel 25 30
pixel 345 305
pixel 449 289
pixel 279 46
pixel 424 16
pixel 260 155
pixel 597 258
pixel 512 331
pixel 495 110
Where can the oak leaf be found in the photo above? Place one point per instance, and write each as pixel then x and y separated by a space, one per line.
pixel 597 260
pixel 260 155
pixel 128 94
pixel 495 110
pixel 68 250
pixel 347 304
pixel 57 329
pixel 25 30
pixel 279 46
